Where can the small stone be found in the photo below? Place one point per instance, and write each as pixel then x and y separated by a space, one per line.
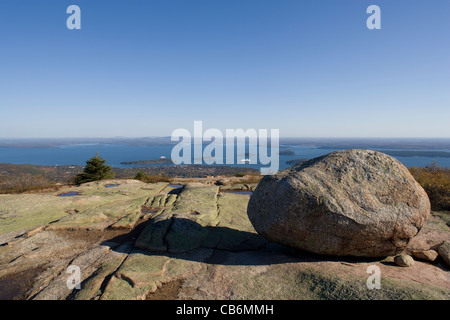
pixel 404 260
pixel 425 255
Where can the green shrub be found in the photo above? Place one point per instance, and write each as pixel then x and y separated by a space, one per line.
pixel 436 182
pixel 140 176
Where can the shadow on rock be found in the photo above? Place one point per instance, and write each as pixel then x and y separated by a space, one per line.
pixel 186 239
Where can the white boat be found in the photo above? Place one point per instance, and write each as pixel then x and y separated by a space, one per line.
pixel 162 157
pixel 245 160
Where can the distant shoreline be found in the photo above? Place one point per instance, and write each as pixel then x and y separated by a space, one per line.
pixel 144 162
pixel 63 173
pixel 417 153
pixel 437 144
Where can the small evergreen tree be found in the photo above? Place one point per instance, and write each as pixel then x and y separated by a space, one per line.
pixel 95 170
pixel 140 175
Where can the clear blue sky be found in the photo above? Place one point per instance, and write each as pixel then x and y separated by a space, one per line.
pixel 144 68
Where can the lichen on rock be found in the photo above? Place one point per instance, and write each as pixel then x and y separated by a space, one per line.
pixel 346 203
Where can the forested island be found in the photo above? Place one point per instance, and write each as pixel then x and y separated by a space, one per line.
pixel 286 153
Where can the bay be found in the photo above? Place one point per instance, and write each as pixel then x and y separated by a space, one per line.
pixel 115 154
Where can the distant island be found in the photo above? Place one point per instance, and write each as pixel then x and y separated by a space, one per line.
pixel 286 153
pixel 143 162
pixel 61 142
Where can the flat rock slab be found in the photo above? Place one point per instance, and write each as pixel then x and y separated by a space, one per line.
pixel 211 274
pixel 95 208
pixel 119 206
pixel 202 217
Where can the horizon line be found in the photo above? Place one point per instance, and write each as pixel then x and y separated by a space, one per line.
pixel 163 137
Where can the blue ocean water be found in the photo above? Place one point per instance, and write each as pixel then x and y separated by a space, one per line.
pixel 115 154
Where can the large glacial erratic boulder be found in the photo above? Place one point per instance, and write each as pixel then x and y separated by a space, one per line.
pixel 347 203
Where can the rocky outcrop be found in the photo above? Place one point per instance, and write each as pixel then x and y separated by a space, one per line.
pixel 204 218
pixel 208 251
pixel 444 252
pixel 346 203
